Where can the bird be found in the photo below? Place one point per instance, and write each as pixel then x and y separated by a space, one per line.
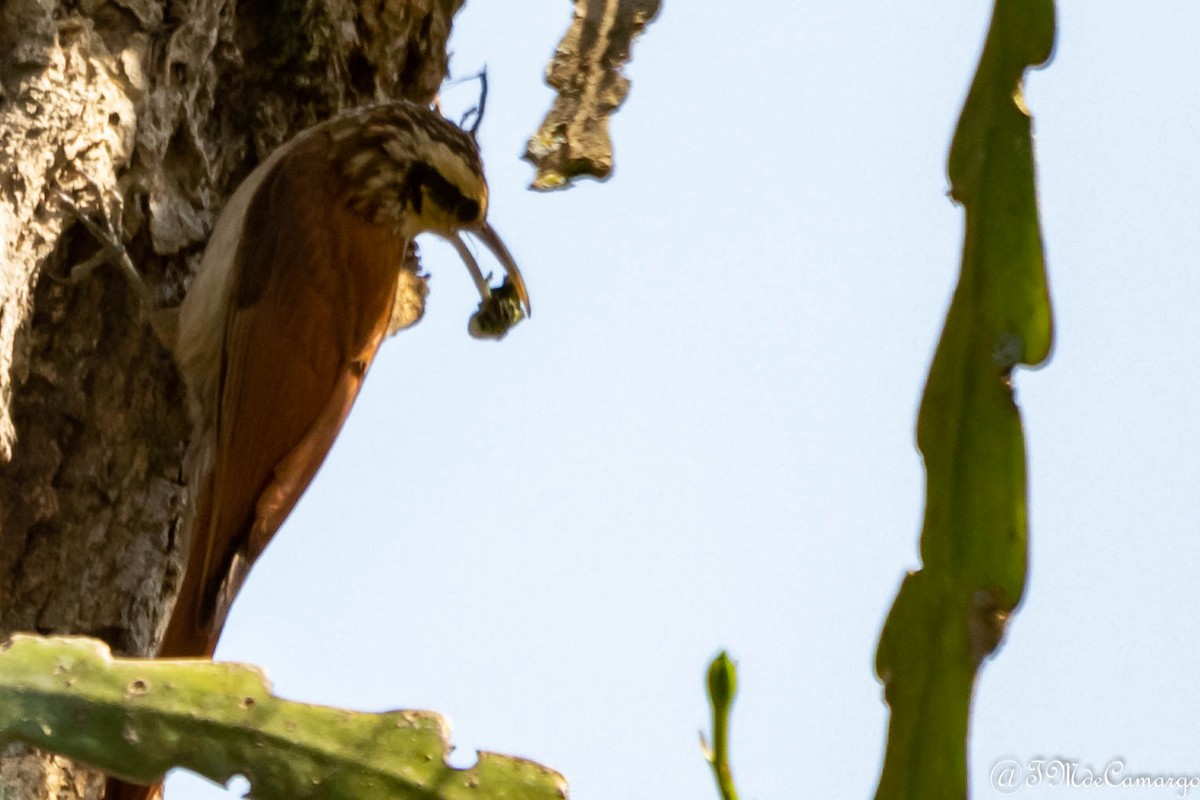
pixel 292 299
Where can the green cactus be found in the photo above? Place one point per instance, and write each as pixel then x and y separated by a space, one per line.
pixel 951 614
pixel 138 718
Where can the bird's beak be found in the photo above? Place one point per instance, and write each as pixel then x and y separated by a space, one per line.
pixel 487 234
pixel 497 311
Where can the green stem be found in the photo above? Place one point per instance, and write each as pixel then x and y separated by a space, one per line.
pixel 722 685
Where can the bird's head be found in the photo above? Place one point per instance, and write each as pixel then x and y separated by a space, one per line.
pixel 412 168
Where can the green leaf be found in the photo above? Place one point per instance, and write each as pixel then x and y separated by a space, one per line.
pixel 951 614
pixel 138 718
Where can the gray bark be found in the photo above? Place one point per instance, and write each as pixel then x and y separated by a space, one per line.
pixel 164 107
pixel 586 72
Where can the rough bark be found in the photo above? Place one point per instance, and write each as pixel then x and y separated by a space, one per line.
pixel 161 108
pixel 573 139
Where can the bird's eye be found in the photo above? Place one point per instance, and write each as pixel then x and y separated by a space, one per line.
pixel 426 183
pixel 468 210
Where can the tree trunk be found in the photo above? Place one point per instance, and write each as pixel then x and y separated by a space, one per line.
pixel 163 109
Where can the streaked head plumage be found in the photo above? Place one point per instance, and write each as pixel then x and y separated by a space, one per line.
pixel 408 166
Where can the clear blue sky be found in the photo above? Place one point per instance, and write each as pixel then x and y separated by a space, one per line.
pixel 704 436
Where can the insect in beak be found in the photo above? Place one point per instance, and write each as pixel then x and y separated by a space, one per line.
pixel 501 308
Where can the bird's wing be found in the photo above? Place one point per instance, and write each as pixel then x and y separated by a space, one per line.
pixel 313 296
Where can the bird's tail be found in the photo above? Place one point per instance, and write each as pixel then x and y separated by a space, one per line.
pixel 120 790
pixel 191 631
